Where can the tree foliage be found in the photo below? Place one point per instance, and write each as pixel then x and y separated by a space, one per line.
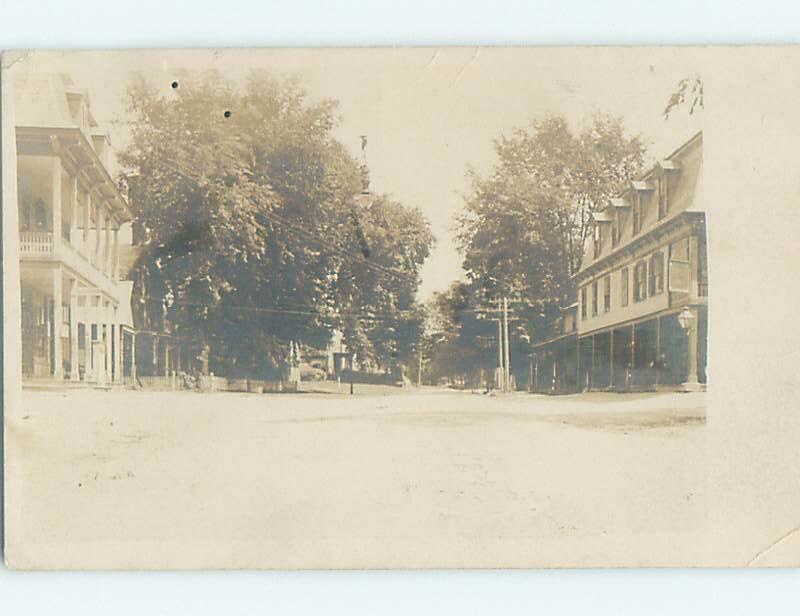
pixel 524 227
pixel 250 225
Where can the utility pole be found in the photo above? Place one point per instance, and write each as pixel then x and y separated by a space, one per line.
pixel 419 373
pixel 500 369
pixel 507 375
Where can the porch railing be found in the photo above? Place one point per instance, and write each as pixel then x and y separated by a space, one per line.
pixel 35 243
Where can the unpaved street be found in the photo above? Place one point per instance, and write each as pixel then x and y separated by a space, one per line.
pixel 433 478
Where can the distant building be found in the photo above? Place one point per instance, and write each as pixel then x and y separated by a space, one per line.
pixel 70 213
pixel 152 351
pixel 641 317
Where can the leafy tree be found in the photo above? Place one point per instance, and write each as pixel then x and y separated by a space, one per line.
pixel 524 227
pixel 383 285
pixel 246 221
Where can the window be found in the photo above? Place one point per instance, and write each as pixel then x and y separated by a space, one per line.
pixel 637 212
pixel 663 196
pixel 656 280
pixel 623 287
pixel 615 229
pixel 607 293
pixel 594 298
pixel 583 303
pixel 640 281
pixel 679 274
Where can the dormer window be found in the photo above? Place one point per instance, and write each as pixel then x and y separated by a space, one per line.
pixel 637 212
pixel 598 240
pixel 662 189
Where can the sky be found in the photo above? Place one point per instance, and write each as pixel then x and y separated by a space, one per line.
pixel 429 113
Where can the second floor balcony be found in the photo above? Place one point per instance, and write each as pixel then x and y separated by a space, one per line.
pixel 98 267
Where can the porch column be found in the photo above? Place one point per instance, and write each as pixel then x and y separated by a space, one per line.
pixel 74 361
pixel 658 350
pixel 73 203
pixel 166 358
pixel 554 386
pixel 86 222
pixel 107 245
pixel 611 360
pixel 56 196
pixel 98 217
pixel 694 262
pixel 107 318
pixel 133 357
pixel 530 373
pixel 633 354
pixel 58 362
pixel 691 380
pixel 87 340
pixel 153 372
pixel 117 348
pixel 115 256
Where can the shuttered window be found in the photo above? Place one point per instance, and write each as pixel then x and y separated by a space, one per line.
pixel 640 281
pixel 623 287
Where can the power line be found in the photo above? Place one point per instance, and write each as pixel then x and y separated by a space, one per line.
pixel 273 310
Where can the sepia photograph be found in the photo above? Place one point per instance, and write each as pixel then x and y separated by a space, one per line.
pixel 359 308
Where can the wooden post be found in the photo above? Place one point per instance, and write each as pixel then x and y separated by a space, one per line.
pixel 658 350
pixel 530 373
pixel 87 341
pixel 58 362
pixel 507 374
pixel 73 202
pixel 115 257
pixel 419 372
pixel 117 348
pixel 98 213
pixel 74 362
pixel 500 366
pixel 155 355
pixel 86 222
pixel 633 354
pixel 108 359
pixel 133 357
pixel 107 245
pixel 611 360
pixel 56 196
pixel 554 385
pixel 691 380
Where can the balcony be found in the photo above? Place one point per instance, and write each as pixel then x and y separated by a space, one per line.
pixel 35 243
pixel 39 245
